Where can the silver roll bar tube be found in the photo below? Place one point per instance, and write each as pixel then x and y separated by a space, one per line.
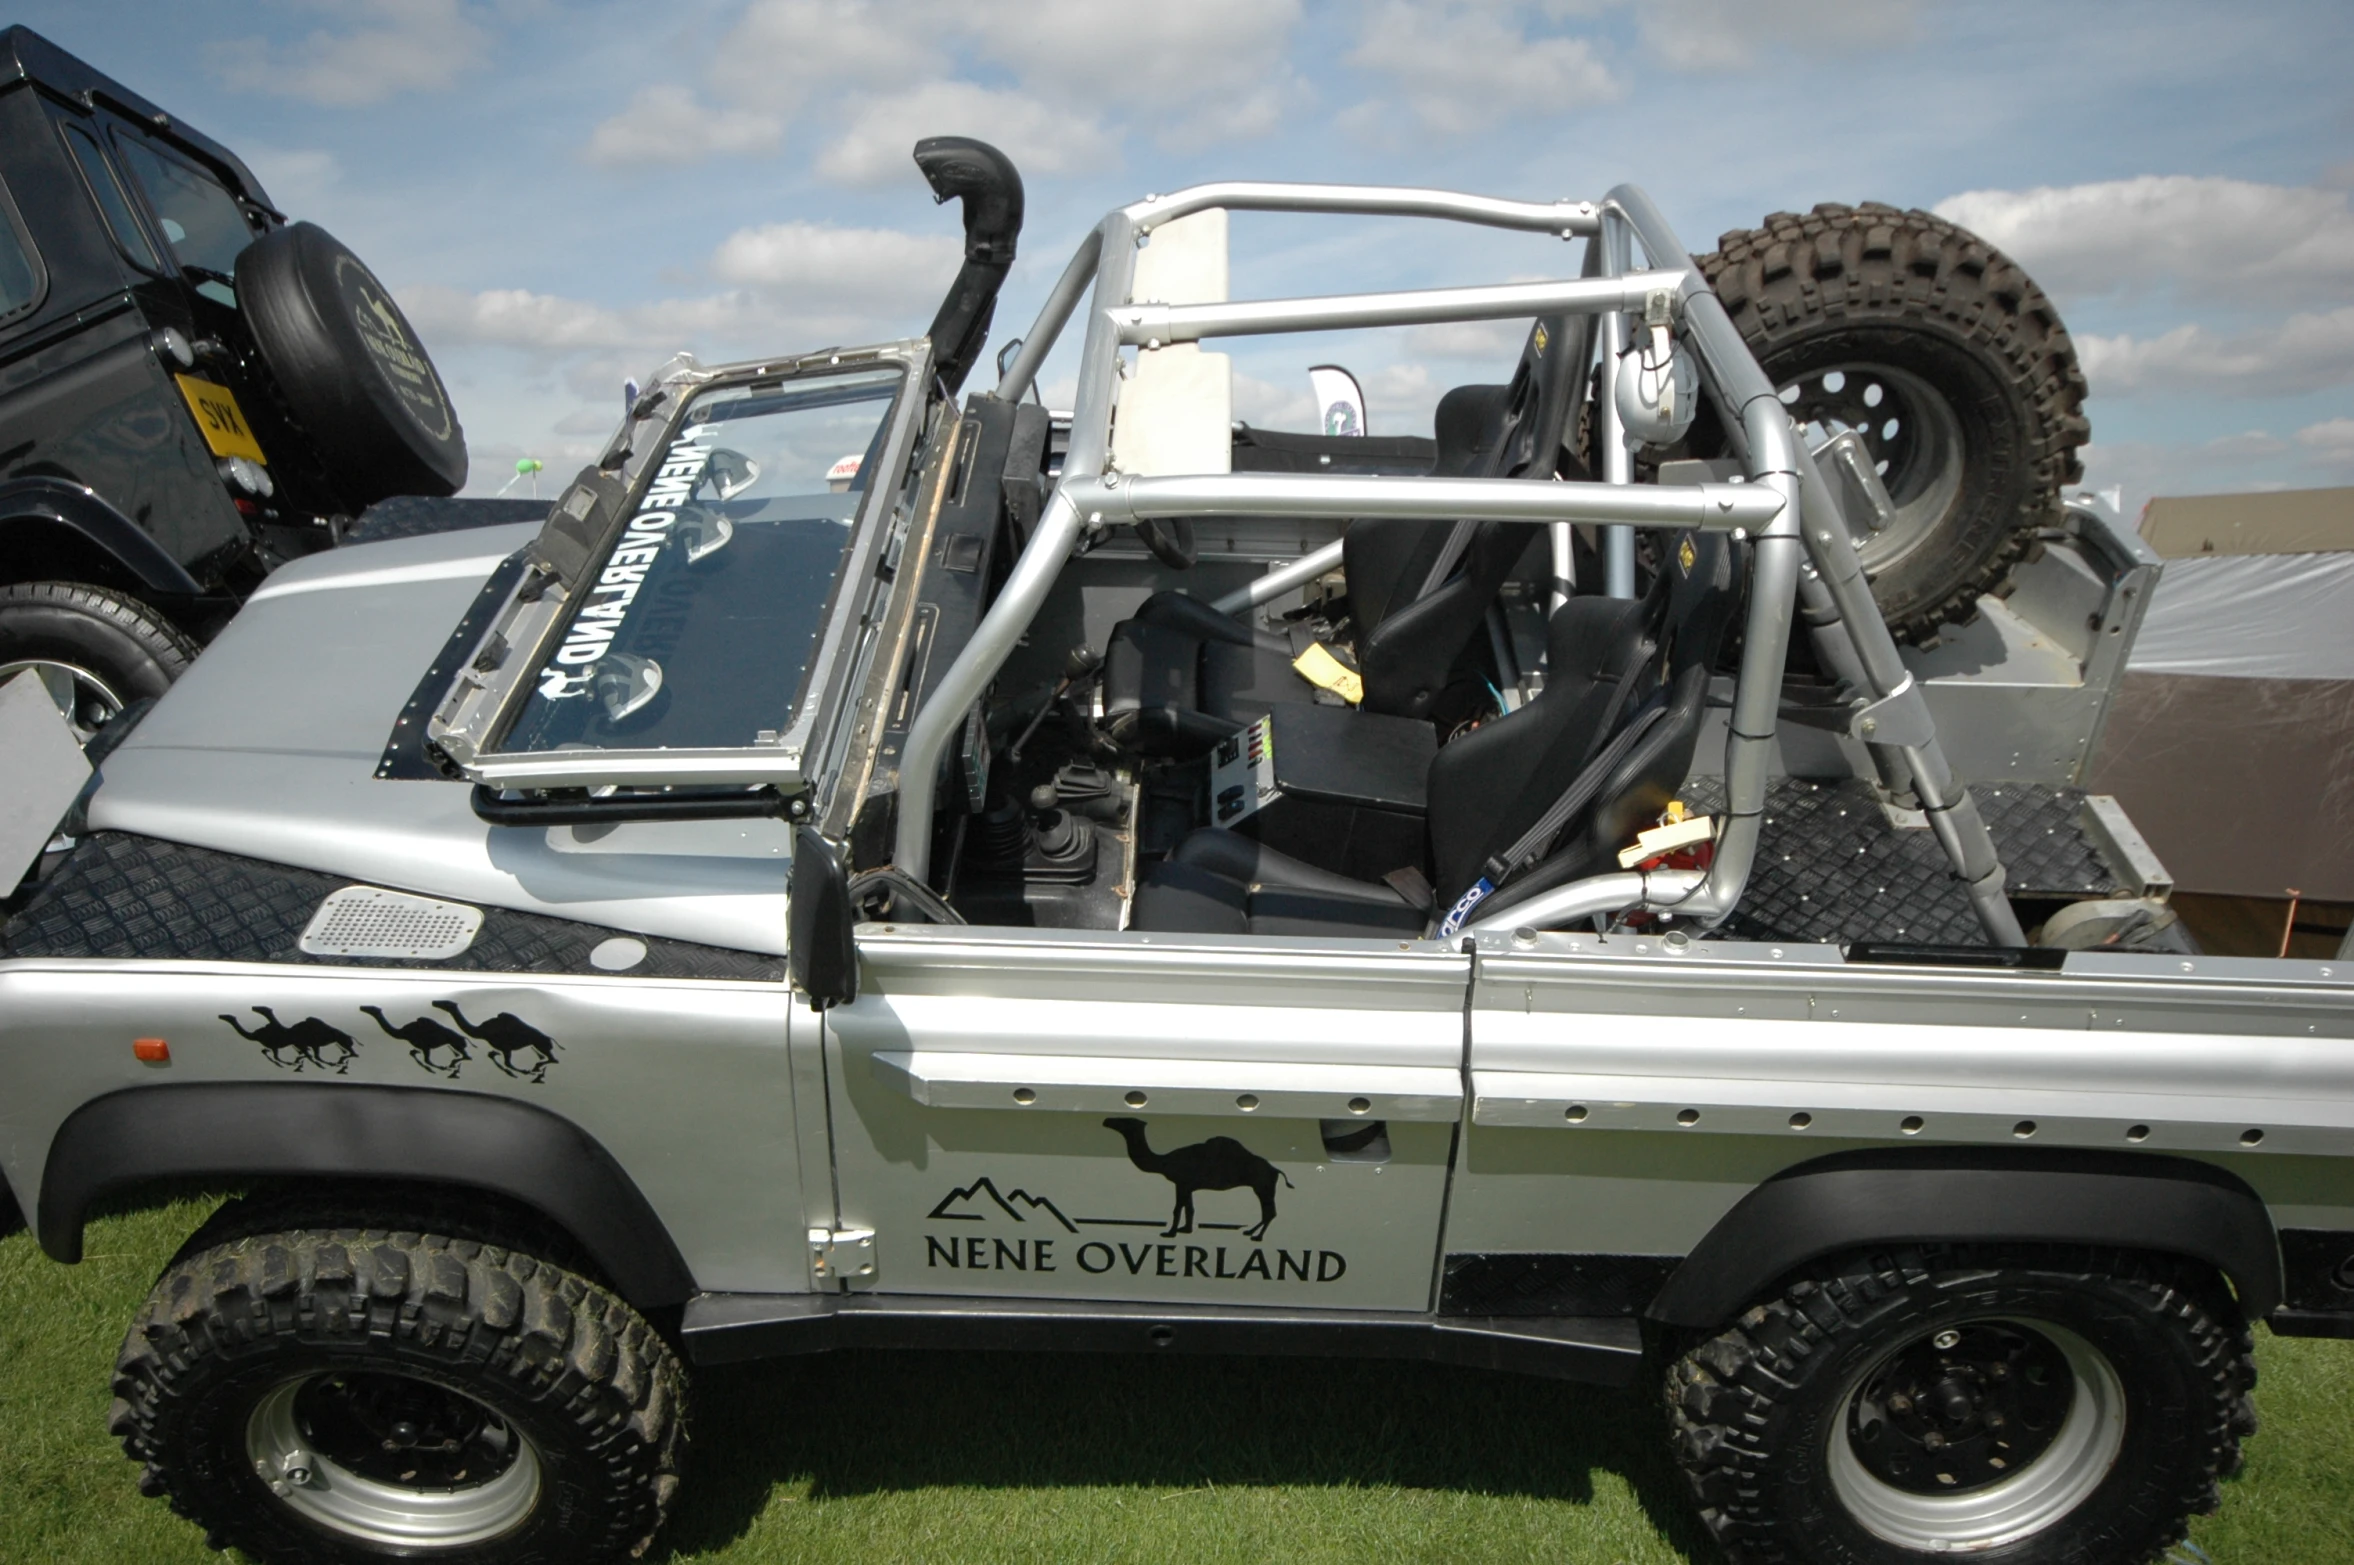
pixel 1791 512
pixel 1830 544
pixel 1152 325
pixel 1116 499
pixel 1277 582
pixel 1564 218
pixel 1060 525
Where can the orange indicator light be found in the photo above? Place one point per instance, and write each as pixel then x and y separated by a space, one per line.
pixel 152 1050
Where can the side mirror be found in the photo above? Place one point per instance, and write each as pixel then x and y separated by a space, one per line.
pixel 823 958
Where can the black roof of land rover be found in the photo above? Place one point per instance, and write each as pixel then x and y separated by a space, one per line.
pixel 26 56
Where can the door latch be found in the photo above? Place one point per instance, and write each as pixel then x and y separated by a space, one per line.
pixel 845 1255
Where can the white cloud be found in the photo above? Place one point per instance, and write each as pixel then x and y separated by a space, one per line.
pixel 392 47
pixel 294 177
pixel 1187 74
pixel 1266 405
pixel 2287 357
pixel 2251 460
pixel 879 266
pixel 1496 343
pixel 2331 441
pixel 1460 68
pixel 2232 241
pixel 1041 138
pixel 1212 70
pixel 1718 35
pixel 782 49
pixel 668 124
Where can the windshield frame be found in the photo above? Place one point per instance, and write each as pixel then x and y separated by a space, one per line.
pixel 788 764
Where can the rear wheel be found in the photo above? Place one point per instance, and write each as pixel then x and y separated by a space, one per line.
pixel 365 1393
pixel 1950 365
pixel 96 651
pixel 2035 1408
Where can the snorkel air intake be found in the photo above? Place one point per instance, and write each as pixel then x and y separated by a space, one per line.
pixel 985 180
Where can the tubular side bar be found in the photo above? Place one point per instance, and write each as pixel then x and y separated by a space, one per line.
pixel 1803 551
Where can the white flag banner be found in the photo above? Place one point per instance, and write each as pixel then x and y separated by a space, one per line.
pixel 1340 401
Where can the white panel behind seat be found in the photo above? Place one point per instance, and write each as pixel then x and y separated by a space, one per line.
pixel 1176 411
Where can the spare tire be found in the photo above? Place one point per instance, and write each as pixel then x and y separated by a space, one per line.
pixel 353 374
pixel 1949 362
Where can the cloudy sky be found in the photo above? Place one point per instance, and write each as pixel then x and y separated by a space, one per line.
pixel 563 194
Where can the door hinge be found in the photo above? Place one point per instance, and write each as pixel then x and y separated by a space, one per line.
pixel 845 1255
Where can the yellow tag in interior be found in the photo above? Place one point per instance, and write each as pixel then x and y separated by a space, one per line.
pixel 1320 668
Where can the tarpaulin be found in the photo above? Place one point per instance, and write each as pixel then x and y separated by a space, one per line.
pixel 2251 616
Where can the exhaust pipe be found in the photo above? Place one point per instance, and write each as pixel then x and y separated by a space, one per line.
pixel 986 181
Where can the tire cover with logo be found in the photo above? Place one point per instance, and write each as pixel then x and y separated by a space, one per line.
pixel 353 373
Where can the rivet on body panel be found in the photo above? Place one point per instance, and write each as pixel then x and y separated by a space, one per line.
pixel 1687 1116
pixel 1912 1125
pixel 1801 1120
pixel 1025 1096
pixel 1575 1113
pixel 1134 1100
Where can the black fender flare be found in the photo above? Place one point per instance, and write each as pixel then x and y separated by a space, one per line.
pixel 1963 1195
pixel 54 503
pixel 293 1129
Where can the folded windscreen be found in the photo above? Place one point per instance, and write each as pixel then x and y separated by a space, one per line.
pixel 695 624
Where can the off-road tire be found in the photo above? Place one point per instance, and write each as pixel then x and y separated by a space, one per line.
pixel 131 648
pixel 1912 292
pixel 590 1385
pixel 1752 1410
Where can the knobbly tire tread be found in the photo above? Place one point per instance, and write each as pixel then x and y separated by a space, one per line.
pixel 1729 1396
pixel 1794 280
pixel 533 1339
pixel 162 646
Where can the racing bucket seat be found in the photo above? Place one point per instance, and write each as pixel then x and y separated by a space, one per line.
pixel 1179 675
pixel 1541 796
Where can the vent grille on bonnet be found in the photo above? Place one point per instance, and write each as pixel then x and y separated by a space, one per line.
pixel 370 921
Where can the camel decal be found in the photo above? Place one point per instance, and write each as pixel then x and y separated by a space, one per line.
pixel 505 1036
pixel 426 1038
pixel 310 1040
pixel 1220 1163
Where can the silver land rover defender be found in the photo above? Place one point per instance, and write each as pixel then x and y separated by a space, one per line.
pixel 872 870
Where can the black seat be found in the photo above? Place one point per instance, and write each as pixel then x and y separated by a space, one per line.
pixel 1631 670
pixel 1179 675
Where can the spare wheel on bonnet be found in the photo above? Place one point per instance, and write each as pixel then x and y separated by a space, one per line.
pixel 353 373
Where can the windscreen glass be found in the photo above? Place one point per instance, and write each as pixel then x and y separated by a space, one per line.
pixel 199 218
pixel 695 629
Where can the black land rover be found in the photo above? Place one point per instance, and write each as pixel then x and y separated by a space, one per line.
pixel 192 389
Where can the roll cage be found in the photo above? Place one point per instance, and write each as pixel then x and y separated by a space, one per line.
pixel 1802 553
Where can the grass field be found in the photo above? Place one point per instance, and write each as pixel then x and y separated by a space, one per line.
pixel 874 1459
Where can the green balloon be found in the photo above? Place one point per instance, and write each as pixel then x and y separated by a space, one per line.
pixel 528 465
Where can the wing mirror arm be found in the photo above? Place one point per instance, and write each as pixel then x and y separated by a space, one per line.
pixel 823 954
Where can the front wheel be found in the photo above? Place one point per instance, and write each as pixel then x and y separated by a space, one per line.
pixel 363 1394
pixel 96 651
pixel 2028 1407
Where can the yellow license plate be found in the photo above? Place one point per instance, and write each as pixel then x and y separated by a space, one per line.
pixel 221 419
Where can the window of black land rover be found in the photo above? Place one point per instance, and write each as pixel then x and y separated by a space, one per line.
pixel 20 274
pixel 199 218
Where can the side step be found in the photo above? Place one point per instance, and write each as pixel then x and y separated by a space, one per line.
pixel 729 1328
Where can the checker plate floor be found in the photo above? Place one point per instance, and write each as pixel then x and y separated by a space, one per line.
pixel 1832 867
